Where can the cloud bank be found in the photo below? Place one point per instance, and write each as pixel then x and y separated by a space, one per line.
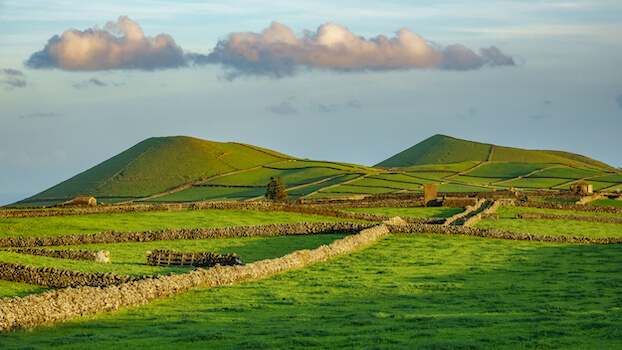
pixel 277 52
pixel 12 78
pixel 120 45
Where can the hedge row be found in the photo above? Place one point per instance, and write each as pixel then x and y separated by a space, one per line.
pixel 64 304
pixel 569 217
pixel 500 234
pixel 189 233
pixel 102 256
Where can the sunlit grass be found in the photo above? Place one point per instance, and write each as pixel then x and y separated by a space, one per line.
pixel 405 291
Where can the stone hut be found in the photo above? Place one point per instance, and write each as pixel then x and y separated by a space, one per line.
pixel 582 188
pixel 84 200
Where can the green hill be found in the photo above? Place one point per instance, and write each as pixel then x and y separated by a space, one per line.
pixel 159 164
pixel 186 169
pixel 441 149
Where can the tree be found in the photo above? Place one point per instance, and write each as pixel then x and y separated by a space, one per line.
pixel 276 190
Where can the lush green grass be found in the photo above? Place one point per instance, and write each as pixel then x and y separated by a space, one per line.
pixel 455 167
pixel 88 224
pixel 507 169
pixel 517 155
pixel 439 149
pixel 129 258
pixel 608 202
pixel 384 183
pixel 454 187
pixel 476 180
pixel 531 182
pixel 261 176
pixel 567 172
pixel 10 289
pixel 416 212
pixel 507 221
pixel 146 168
pixel 405 291
pixel 195 194
pixel 312 188
pixel 401 177
pixel 350 188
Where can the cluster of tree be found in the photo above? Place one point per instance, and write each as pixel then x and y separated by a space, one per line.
pixel 276 190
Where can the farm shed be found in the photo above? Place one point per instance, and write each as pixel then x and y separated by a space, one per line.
pixel 85 201
pixel 582 187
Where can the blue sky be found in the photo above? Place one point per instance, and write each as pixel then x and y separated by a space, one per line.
pixel 548 77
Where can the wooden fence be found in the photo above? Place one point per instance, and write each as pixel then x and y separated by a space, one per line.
pixel 160 257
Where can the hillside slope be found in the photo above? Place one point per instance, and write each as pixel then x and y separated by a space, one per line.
pixel 441 149
pixel 159 164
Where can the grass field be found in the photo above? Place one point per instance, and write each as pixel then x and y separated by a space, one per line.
pixel 507 221
pixel 88 224
pixel 415 212
pixel 129 258
pixel 507 170
pixel 405 291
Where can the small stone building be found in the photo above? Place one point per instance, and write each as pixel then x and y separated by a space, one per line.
pixel 582 188
pixel 84 200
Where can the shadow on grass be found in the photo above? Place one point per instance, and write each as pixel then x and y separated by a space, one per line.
pixel 405 291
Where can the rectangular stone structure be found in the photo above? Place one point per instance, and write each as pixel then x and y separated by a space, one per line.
pixel 429 194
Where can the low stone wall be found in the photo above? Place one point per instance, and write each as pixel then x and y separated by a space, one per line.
pixel 488 213
pixel 102 256
pixel 459 202
pixel 104 209
pixel 499 234
pixel 189 233
pixel 468 210
pixel 60 278
pixel 589 218
pixel 64 304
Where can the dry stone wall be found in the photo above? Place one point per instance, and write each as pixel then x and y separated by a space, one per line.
pixel 499 234
pixel 102 256
pixel 64 304
pixel 190 233
pixel 60 278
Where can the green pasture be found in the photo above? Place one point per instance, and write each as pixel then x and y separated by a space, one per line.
pixel 128 258
pixel 198 193
pixel 531 182
pixel 415 212
pixel 516 155
pixel 453 167
pixel 316 164
pixel 551 227
pixel 476 180
pixel 455 187
pixel 354 189
pixel 312 188
pixel 607 202
pixel 375 182
pixel 144 221
pixel 616 178
pixel 404 291
pixel 568 173
pixel 507 170
pixel 261 176
pixel 597 185
pixel 399 177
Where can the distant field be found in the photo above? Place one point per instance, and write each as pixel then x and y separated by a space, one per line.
pixel 530 182
pixel 416 212
pixel 405 291
pixel 609 202
pixel 507 221
pixel 88 224
pixel 462 188
pixel 507 170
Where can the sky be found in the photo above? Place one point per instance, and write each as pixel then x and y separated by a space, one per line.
pixel 349 81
